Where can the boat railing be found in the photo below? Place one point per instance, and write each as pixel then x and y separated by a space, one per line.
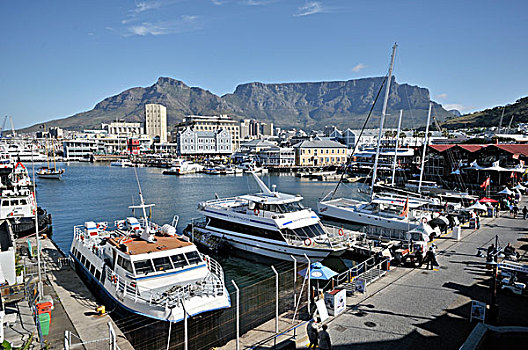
pixel 340 235
pixel 126 288
pixel 218 202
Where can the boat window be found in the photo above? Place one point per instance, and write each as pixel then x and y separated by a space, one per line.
pixel 162 264
pixel 92 269
pixel 97 275
pixel 193 257
pixel 143 267
pixel 5 203
pixel 124 263
pixel 83 259
pixel 178 261
pixel 307 231
pixel 23 202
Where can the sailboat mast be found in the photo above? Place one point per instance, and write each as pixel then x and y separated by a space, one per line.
pixel 426 141
pixel 382 119
pixel 500 121
pixel 396 148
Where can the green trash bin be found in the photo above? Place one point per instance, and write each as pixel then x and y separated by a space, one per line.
pixel 44 320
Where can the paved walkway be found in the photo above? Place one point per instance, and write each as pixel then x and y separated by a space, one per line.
pixel 419 308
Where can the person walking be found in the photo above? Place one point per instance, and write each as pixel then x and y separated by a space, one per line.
pixel 311 329
pixel 431 259
pixel 525 212
pixel 324 339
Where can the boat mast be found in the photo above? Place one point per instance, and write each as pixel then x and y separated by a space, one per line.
pixel 382 119
pixel 143 206
pixel 426 141
pixel 396 148
pixel 500 121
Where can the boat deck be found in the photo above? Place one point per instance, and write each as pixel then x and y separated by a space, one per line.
pixel 139 246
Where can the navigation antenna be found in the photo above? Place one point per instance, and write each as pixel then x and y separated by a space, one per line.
pixel 147 234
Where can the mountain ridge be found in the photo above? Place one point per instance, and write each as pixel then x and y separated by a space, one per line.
pixel 300 105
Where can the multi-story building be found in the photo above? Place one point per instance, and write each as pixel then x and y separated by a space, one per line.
pixel 212 124
pixel 194 143
pixel 319 153
pixel 277 157
pixel 79 149
pixel 156 121
pixel 253 129
pixel 123 128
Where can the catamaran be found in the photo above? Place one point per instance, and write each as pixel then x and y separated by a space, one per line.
pixel 146 269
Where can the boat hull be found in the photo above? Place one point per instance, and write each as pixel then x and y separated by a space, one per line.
pixel 352 216
pixel 267 248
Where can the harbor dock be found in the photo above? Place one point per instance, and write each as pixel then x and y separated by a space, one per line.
pixel 74 319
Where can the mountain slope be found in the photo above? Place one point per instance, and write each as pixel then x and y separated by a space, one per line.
pixel 301 105
pixel 491 117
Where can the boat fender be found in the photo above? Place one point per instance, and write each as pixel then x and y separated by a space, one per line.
pixel 256 211
pixel 307 242
pixel 341 232
pixel 114 279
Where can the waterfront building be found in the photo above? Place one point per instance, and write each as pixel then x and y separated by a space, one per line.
pixel 212 124
pixel 319 153
pixel 123 128
pixel 79 149
pixel 276 156
pixel 156 121
pixel 190 142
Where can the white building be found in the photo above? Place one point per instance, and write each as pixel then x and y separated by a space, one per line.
pixel 123 128
pixel 7 254
pixel 79 149
pixel 191 142
pixel 156 121
pixel 277 157
pixel 212 124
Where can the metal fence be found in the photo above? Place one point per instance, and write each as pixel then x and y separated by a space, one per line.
pixel 258 304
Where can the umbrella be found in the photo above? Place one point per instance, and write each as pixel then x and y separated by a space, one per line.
pixel 506 191
pixel 496 167
pixel 319 272
pixel 487 200
pixel 519 187
pixel 474 166
pixel 478 206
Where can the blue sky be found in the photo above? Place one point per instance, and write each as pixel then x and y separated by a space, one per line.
pixel 62 57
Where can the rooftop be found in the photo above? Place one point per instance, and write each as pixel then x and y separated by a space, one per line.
pixel 140 246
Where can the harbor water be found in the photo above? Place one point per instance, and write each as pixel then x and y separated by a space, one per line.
pixel 100 192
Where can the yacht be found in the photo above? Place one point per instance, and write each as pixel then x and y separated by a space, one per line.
pixel 122 163
pixel 148 270
pixel 182 167
pixel 270 224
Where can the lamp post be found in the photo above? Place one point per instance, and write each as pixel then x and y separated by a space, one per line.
pixel 494 307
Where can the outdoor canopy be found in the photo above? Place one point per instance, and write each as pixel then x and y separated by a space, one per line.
pixel 488 200
pixel 477 206
pixel 506 191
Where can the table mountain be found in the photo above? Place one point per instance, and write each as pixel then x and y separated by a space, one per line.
pixel 300 105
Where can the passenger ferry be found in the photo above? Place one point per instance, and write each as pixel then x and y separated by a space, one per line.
pixel 148 270
pixel 270 224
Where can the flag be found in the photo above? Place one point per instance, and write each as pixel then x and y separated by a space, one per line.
pixel 512 175
pixel 486 183
pixel 405 210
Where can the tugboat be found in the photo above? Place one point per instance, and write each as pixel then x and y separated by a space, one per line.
pixel 148 270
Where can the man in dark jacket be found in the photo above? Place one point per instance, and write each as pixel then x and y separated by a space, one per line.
pixel 324 339
pixel 311 329
pixel 430 256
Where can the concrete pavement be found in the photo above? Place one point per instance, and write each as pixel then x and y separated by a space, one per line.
pixel 419 308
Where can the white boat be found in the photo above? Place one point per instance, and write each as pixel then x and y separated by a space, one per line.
pixel 271 224
pixel 24 152
pixel 182 167
pixel 148 270
pixel 122 163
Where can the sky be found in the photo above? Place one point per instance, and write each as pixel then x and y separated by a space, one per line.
pixel 58 58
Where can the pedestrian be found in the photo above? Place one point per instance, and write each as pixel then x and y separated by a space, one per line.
pixel 431 259
pixel 324 339
pixel 311 330
pixel 515 210
pixel 525 212
pixel 477 221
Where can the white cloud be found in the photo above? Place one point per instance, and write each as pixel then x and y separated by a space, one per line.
pixel 185 23
pixel 91 34
pixel 147 5
pixel 358 67
pixel 218 2
pixel 257 2
pixel 457 106
pixel 309 8
pixel 442 96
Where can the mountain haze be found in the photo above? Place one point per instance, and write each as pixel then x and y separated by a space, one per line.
pixel 301 105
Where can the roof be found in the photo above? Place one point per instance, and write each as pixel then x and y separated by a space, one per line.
pixel 515 148
pixel 140 246
pixel 318 144
pixel 441 148
pixel 467 147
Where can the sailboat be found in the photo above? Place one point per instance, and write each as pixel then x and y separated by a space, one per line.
pixel 384 211
pixel 46 172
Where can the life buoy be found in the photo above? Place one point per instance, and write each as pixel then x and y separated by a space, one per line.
pixel 308 242
pixel 424 220
pixel 341 232
pixel 256 211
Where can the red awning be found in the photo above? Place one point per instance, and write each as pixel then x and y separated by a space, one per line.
pixel 487 200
